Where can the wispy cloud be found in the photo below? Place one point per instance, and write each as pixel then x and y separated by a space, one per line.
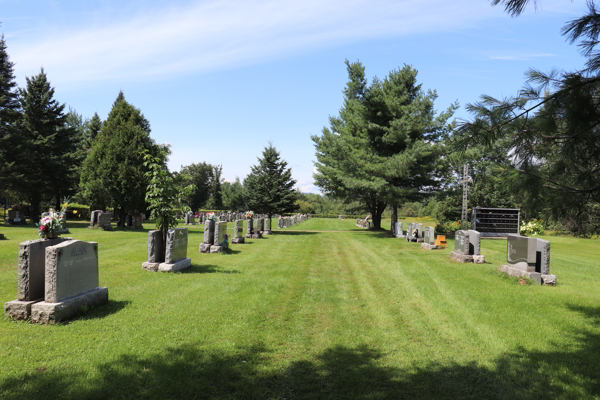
pixel 520 57
pixel 213 34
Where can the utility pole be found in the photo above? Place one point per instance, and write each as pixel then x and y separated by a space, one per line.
pixel 465 182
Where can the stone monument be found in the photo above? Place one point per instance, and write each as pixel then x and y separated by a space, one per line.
pixel 429 239
pixel 529 257
pixel 220 241
pixel 468 247
pixel 238 231
pixel 209 236
pixel 175 251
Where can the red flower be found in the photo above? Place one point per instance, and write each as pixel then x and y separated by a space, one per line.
pixel 43 228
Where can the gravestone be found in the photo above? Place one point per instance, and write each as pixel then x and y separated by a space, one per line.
pixel 529 257
pixel 70 281
pixel 31 276
pixel 267 227
pixel 399 230
pixel 104 219
pixel 250 229
pixel 468 247
pixel 209 236
pixel 238 231
pixel 220 238
pixel 16 217
pixel 429 239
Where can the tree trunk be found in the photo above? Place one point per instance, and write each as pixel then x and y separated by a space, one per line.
pixel 35 207
pixel 394 216
pixel 376 214
pixel 122 215
pixel 57 204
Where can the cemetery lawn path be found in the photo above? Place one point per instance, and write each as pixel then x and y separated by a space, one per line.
pixel 342 313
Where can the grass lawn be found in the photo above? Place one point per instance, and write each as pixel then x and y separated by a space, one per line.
pixel 312 315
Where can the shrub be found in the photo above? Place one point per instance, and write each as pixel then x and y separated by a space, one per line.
pixel 533 227
pixel 450 227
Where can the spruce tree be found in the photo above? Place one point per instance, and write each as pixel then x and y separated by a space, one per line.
pixel 10 108
pixel 270 186
pixel 113 173
pixel 48 144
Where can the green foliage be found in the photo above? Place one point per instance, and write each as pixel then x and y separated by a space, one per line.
pixel 215 200
pixel 10 113
pixel 162 194
pixel 270 186
pixel 383 146
pixel 532 228
pixel 200 175
pixel 234 195
pixel 46 156
pixel 114 173
pixel 450 227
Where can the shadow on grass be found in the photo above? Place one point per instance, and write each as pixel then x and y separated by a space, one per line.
pixel 101 311
pixel 208 269
pixel 340 372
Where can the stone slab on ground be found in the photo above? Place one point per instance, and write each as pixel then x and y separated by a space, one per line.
pixel 50 313
pixel 265 232
pixel 19 309
pixel 461 258
pixel 507 269
pixel 479 259
pixel 178 266
pixel 549 280
pixel 150 266
pixel 238 240
pixel 215 248
pixel 427 246
pixel 248 236
pixel 256 236
pixel 205 247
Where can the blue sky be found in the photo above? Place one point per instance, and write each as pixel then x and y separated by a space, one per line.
pixel 220 79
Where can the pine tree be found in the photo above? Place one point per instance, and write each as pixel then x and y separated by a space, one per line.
pixel 113 172
pixel 383 147
pixel 10 108
pixel 48 145
pixel 270 186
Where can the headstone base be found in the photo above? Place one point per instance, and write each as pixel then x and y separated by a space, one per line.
pixel 178 266
pixel 205 247
pixel 510 271
pixel 50 313
pixel 248 236
pixel 265 232
pixel 427 246
pixel 256 236
pixel 461 258
pixel 420 240
pixel 403 236
pixel 150 266
pixel 215 248
pixel 19 309
pixel 549 280
pixel 238 240
pixel 479 259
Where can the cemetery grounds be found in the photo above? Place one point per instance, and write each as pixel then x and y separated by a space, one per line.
pixel 349 314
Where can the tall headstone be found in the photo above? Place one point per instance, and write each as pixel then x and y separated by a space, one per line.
pixel 529 257
pixel 238 231
pixel 176 247
pixel 58 283
pixel 209 236
pixel 220 239
pixel 250 225
pixel 468 247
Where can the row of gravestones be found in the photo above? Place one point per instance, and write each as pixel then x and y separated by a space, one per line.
pixel 56 279
pixel 286 222
pixel 103 219
pixel 527 257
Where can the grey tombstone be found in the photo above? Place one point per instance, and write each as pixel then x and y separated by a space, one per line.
pixel 474 243
pixel 281 222
pixel 177 244
pixel 261 225
pixel 238 231
pixel 250 225
pixel 71 281
pixel 462 242
pixel 156 247
pixel 71 270
pixel 530 257
pixel 104 219
pixel 220 232
pixel 209 231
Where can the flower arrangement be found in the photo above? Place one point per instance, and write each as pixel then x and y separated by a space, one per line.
pixel 249 214
pixel 533 227
pixel 49 226
pixel 211 216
